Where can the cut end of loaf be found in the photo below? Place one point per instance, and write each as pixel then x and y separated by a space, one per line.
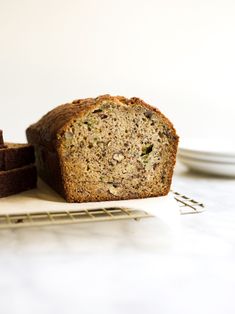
pixel 117 149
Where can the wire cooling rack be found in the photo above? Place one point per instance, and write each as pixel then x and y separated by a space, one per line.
pixel 186 206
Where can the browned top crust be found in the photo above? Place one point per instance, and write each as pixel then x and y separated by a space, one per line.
pixel 47 129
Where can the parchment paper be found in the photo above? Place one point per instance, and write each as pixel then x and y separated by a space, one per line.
pixel 45 199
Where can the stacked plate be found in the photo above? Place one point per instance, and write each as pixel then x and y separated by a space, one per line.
pixel 213 156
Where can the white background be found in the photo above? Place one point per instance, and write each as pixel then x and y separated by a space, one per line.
pixel 176 55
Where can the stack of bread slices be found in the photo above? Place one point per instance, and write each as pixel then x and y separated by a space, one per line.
pixel 17 170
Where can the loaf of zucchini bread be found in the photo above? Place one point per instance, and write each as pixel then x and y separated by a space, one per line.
pixel 105 148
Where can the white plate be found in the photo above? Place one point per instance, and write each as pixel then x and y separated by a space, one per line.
pixel 205 156
pixel 207 166
pixel 219 147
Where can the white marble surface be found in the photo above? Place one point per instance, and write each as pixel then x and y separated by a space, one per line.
pixel 127 266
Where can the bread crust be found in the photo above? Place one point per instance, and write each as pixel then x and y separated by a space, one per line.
pixel 1 140
pixel 47 132
pixel 16 155
pixel 17 180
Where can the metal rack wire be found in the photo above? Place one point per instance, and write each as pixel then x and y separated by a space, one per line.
pixel 186 206
pixel 69 217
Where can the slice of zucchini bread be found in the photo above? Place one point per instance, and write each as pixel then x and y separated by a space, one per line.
pixel 1 140
pixel 105 148
pixel 16 155
pixel 17 180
